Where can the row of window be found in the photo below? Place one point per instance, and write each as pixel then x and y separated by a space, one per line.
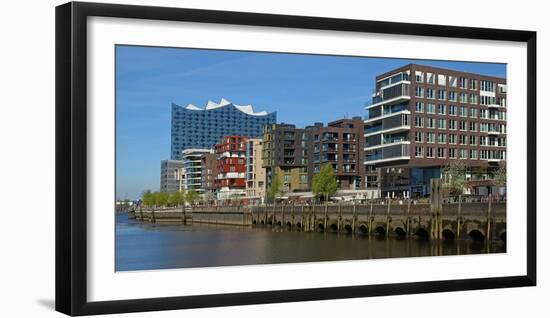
pixel 454 81
pixel 454 153
pixel 462 111
pixel 472 140
pixel 451 124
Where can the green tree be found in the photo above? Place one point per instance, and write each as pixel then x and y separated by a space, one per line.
pixel 274 188
pixel 192 196
pixel 176 198
pixel 161 198
pixel 147 198
pixel 454 175
pixel 500 175
pixel 324 182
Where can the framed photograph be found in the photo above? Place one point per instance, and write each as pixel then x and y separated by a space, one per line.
pixel 212 158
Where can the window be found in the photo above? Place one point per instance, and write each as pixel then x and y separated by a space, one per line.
pixel 419 107
pixel 452 81
pixel 441 94
pixel 429 152
pixel 441 138
pixel 430 137
pixel 473 140
pixel 452 124
pixel 430 108
pixel 483 113
pixel 472 112
pixel 483 140
pixel 429 93
pixel 462 125
pixel 462 97
pixel 484 127
pixel 418 121
pixel 487 86
pixel 483 154
pixel 430 78
pixel 452 153
pixel 473 154
pixel 462 111
pixel 462 82
pixel 441 123
pixel 452 139
pixel 473 126
pixel 441 109
pixel 487 100
pixel 452 110
pixel 419 77
pixel 419 92
pixel 462 139
pixel 419 152
pixel 473 99
pixel 430 123
pixel 452 96
pixel 440 152
pixel 463 154
pixel 418 136
pixel 473 84
pixel 441 80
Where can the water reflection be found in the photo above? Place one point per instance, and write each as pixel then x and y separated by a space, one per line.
pixel 141 246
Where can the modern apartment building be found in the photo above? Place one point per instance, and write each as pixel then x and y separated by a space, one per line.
pixel 284 154
pixel 255 173
pixel 231 167
pixel 340 144
pixel 171 175
pixel 422 117
pixel 195 127
pixel 209 171
pixel 192 168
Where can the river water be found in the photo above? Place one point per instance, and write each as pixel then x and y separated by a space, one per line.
pixel 142 246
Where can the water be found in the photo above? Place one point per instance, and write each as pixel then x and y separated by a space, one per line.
pixel 141 246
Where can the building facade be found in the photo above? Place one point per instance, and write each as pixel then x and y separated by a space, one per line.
pixel 422 117
pixel 194 127
pixel 192 168
pixel 171 175
pixel 231 167
pixel 339 144
pixel 255 172
pixel 209 171
pixel 284 154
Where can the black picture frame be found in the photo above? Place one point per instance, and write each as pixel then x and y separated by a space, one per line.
pixel 71 157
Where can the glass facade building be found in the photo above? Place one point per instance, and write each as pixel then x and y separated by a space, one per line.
pixel 194 127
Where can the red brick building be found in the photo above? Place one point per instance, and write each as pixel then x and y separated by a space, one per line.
pixel 231 166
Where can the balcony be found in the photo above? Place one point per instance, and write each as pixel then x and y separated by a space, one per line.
pixel 388 124
pixel 388 154
pixel 391 95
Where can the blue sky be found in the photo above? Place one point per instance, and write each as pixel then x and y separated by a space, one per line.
pixel 302 89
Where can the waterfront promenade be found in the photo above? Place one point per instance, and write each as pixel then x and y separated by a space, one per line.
pixel 485 220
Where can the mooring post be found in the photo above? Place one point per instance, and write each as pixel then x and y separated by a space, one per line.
pixel 370 218
pixel 183 214
pixel 313 225
pixel 152 219
pixel 408 217
pixel 325 220
pixel 388 218
pixel 354 220
pixel 282 216
pixel 435 206
pixel 339 223
pixel 489 208
pixel 458 216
